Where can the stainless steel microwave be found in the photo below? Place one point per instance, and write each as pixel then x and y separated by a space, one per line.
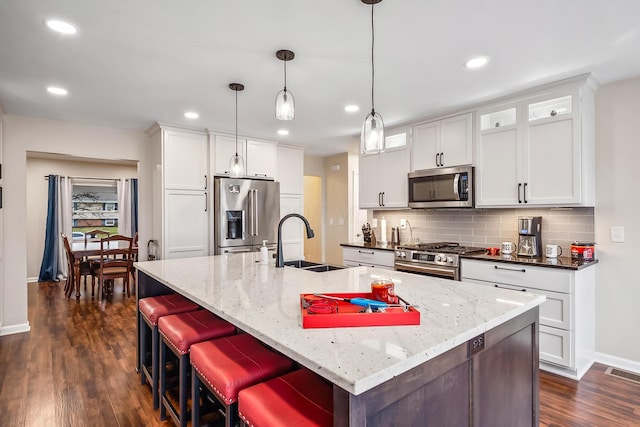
pixel 442 188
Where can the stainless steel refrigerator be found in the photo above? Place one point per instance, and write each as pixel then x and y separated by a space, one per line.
pixel 247 212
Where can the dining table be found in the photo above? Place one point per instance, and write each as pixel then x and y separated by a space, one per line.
pixel 84 249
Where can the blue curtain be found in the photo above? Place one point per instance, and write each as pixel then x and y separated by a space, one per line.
pixel 134 206
pixel 49 267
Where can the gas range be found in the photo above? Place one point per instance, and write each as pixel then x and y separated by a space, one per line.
pixel 440 259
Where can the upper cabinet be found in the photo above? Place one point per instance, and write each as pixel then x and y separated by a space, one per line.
pixel 290 171
pixel 383 177
pixel 224 147
pixel 443 143
pixel 185 159
pixel 537 151
pixel 261 160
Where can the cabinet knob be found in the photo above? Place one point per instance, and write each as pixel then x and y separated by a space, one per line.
pixel 554 113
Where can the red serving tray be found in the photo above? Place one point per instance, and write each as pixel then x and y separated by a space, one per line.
pixel 349 315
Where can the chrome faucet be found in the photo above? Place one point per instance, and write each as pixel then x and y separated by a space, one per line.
pixel 310 234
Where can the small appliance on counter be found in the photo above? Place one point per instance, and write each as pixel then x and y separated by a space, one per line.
pixel 530 236
pixel 584 251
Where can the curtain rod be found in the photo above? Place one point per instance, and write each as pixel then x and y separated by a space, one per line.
pixel 97 179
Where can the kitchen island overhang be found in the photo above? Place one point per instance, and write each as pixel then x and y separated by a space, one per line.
pixel 264 302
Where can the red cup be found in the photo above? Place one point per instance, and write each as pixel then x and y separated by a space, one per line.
pixel 493 251
pixel 384 290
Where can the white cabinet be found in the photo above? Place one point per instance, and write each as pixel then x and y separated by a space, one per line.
pixel 378 258
pixel 185 160
pixel 224 147
pixel 261 159
pixel 290 171
pixel 567 326
pixel 383 177
pixel 181 191
pixel 290 174
pixel 537 151
pixel 443 143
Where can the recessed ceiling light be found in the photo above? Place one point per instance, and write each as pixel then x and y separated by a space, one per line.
pixel 60 26
pixel 283 132
pixel 351 108
pixel 57 90
pixel 191 115
pixel 478 62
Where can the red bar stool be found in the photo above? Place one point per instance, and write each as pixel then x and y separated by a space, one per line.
pixel 227 365
pixel 179 332
pixel 151 309
pixel 300 398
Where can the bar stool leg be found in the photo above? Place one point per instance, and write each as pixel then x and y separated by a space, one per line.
pixel 184 362
pixel 143 348
pixel 163 379
pixel 195 398
pixel 154 366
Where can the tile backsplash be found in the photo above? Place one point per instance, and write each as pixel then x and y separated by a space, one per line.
pixel 489 227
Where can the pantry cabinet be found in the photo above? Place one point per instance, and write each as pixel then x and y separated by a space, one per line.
pixel 290 173
pixel 383 177
pixel 567 326
pixel 181 191
pixel 443 143
pixel 537 150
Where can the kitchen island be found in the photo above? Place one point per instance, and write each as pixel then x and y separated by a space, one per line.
pixel 473 360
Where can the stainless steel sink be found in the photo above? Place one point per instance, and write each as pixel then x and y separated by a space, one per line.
pixel 312 266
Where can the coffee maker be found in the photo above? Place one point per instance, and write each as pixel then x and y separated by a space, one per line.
pixel 530 236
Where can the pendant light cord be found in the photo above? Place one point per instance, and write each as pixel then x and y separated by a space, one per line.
pixel 236 123
pixel 285 75
pixel 373 37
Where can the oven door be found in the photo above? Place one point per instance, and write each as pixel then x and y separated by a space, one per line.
pixel 442 272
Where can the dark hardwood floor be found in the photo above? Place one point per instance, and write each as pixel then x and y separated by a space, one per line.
pixel 77 367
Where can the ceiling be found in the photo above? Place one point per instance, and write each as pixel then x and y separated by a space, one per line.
pixel 136 62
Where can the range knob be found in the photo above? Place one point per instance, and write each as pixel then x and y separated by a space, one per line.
pixel 403 254
pixel 438 258
pixel 449 260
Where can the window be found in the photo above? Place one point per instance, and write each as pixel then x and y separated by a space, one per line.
pixel 95 205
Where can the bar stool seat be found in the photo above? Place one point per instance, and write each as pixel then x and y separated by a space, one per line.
pixel 227 365
pixel 151 309
pixel 179 332
pixel 300 398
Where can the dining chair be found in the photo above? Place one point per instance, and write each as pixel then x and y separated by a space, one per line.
pixel 134 258
pixel 114 262
pixel 91 262
pixel 72 266
pixel 95 235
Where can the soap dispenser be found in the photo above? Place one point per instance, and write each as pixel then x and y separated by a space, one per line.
pixel 264 253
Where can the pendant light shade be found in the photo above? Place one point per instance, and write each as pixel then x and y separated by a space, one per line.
pixel 372 136
pixel 236 164
pixel 285 102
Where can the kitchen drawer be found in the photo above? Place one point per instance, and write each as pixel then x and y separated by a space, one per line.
pixel 548 279
pixel 359 264
pixel 368 257
pixel 555 346
pixel 555 311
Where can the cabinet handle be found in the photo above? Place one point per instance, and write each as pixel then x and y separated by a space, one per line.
pixel 554 113
pixel 496 286
pixel 438 159
pixel 441 159
pixel 366 252
pixel 206 202
pixel 510 269
pixel 260 174
pixel 379 199
pixel 525 192
pixel 519 186
pixel 205 182
pixel 382 198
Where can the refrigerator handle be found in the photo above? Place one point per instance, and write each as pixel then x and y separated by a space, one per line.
pixel 255 213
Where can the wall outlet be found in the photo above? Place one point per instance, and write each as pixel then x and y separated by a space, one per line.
pixel 617 234
pixel 403 224
pixel 374 223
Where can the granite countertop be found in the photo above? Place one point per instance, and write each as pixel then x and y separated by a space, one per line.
pixel 265 302
pixel 387 247
pixel 566 263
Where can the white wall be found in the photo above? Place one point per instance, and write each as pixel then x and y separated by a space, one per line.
pixel 618 204
pixel 22 134
pixel 37 196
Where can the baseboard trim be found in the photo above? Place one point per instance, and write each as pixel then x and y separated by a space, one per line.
pixel 15 329
pixel 32 279
pixel 618 362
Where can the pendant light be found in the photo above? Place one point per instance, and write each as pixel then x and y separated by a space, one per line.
pixel 236 164
pixel 372 137
pixel 285 103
